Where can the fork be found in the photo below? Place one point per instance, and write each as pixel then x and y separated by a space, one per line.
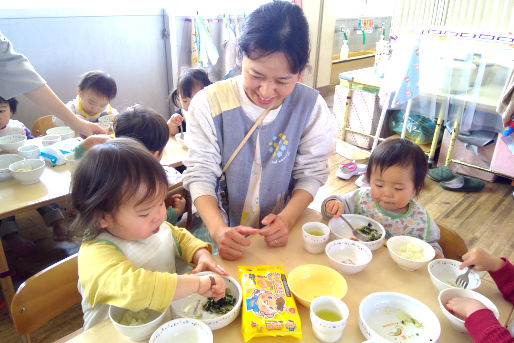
pixel 356 233
pixel 463 279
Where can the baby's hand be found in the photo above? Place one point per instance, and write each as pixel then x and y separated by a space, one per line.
pixel 482 260
pixel 334 207
pixel 212 286
pixel 204 261
pixel 178 202
pixel 463 307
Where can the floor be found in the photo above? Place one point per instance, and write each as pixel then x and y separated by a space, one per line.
pixel 483 219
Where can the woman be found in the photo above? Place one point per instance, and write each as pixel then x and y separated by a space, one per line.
pixel 278 171
pixel 18 76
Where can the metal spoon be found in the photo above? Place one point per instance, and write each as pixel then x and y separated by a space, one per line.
pixel 356 233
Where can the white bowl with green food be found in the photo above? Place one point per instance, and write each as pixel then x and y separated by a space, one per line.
pixel 138 326
pixel 215 314
pixel 369 227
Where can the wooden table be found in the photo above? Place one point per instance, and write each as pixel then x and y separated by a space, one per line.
pixel 54 186
pixel 382 274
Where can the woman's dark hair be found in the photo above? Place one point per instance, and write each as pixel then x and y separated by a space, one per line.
pixel 107 176
pixel 100 82
pixel 399 151
pixel 145 125
pixel 278 26
pixel 189 79
pixel 13 104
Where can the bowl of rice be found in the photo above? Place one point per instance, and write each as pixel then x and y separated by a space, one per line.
pixel 410 253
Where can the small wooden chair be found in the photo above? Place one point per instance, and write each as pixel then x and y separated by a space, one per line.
pixel 45 295
pixel 452 243
pixel 41 125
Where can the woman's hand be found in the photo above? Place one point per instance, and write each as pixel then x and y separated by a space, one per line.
pixel 204 262
pixel 212 286
pixel 276 231
pixel 334 207
pixel 482 260
pixel 231 241
pixel 463 307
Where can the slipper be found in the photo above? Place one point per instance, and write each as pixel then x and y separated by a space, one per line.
pixel 441 174
pixel 347 170
pixel 463 183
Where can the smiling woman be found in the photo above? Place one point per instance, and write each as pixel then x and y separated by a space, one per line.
pixel 278 171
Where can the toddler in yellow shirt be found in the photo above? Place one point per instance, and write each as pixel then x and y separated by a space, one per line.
pixel 128 251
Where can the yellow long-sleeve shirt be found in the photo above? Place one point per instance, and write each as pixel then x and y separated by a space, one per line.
pixel 108 277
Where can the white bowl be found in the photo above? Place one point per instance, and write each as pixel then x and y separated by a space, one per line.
pixel 355 255
pixel 50 139
pixel 339 229
pixel 381 308
pixel 64 132
pixel 27 171
pixel 136 332
pixel 182 330
pixel 394 244
pixel 5 161
pixel 185 307
pixel 11 143
pixel 443 273
pixel 446 294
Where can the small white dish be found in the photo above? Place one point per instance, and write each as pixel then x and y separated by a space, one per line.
pixel 347 256
pixel 446 294
pixel 182 330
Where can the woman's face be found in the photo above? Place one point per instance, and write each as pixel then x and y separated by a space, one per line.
pixel 268 79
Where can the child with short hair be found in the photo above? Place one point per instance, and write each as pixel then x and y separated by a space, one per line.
pixel 190 82
pixel 127 255
pixel 95 91
pixel 396 173
pixel 51 214
pixel 480 322
pixel 150 128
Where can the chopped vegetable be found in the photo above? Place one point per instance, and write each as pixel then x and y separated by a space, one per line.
pixel 222 306
pixel 369 232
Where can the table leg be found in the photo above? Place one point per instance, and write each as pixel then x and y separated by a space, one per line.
pixel 5 279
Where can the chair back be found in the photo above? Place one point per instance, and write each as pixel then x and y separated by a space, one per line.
pixel 452 243
pixel 45 295
pixel 41 125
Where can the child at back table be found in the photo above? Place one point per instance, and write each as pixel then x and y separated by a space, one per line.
pixel 191 82
pixel 127 256
pixel 396 173
pixel 95 91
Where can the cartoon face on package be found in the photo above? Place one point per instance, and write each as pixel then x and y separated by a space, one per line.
pixel 268 305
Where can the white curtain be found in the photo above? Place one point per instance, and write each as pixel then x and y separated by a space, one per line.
pixel 486 15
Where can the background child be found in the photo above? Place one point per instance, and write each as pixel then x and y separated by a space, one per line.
pixel 127 256
pixel 95 91
pixel 396 172
pixel 51 214
pixel 481 323
pixel 150 128
pixel 191 82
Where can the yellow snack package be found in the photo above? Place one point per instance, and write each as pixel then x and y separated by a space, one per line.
pixel 268 304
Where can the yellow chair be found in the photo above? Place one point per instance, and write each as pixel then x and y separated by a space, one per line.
pixel 452 243
pixel 41 125
pixel 45 295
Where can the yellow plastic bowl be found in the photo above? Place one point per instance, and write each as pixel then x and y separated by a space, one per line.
pixel 310 281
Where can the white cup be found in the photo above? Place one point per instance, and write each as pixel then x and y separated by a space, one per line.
pixel 50 139
pixel 29 151
pixel 326 306
pixel 315 237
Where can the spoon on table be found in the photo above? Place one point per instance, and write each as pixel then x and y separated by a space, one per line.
pixel 356 233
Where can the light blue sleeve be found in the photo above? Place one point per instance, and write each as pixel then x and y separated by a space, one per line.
pixel 17 75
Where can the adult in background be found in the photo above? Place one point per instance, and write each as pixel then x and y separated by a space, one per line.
pixel 18 76
pixel 278 171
